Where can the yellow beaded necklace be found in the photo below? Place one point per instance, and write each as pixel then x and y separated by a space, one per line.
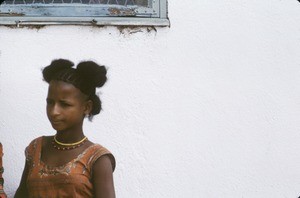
pixel 67 146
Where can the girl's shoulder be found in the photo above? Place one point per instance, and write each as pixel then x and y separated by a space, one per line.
pixel 37 141
pixel 34 143
pixel 32 148
pixel 96 151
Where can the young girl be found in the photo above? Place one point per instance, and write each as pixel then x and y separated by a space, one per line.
pixel 68 164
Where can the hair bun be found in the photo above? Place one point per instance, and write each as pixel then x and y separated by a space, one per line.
pixel 55 67
pixel 92 72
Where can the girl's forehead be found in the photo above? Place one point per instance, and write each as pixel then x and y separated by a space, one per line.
pixel 61 88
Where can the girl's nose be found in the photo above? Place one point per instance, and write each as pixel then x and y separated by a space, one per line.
pixel 55 110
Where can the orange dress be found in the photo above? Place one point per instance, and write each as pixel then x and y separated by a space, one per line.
pixel 70 180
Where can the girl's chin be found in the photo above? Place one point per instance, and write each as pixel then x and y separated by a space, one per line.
pixel 57 128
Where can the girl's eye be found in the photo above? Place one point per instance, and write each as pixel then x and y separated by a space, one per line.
pixel 49 102
pixel 65 104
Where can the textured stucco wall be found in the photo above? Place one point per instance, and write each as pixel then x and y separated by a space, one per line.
pixel 207 108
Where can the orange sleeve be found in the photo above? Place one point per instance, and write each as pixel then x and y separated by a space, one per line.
pixel 30 149
pixel 99 151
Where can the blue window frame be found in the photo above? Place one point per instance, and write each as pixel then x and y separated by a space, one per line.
pixel 84 12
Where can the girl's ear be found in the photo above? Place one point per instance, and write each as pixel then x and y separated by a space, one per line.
pixel 88 107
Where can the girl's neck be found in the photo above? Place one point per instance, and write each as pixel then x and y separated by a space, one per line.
pixel 69 136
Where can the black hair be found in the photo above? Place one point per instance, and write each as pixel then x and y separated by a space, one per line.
pixel 87 76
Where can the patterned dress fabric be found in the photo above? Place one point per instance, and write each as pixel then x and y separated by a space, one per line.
pixel 70 180
pixel 2 193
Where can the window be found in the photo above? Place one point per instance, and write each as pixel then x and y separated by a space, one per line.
pixel 85 12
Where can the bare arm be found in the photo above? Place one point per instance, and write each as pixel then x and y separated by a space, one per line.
pixel 103 178
pixel 22 190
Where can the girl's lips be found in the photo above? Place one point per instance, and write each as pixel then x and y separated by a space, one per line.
pixel 56 121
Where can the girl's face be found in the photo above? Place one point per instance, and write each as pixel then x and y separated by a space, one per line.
pixel 66 106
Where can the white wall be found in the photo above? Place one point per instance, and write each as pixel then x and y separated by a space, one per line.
pixel 207 108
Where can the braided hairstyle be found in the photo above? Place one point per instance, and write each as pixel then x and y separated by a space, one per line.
pixel 87 76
